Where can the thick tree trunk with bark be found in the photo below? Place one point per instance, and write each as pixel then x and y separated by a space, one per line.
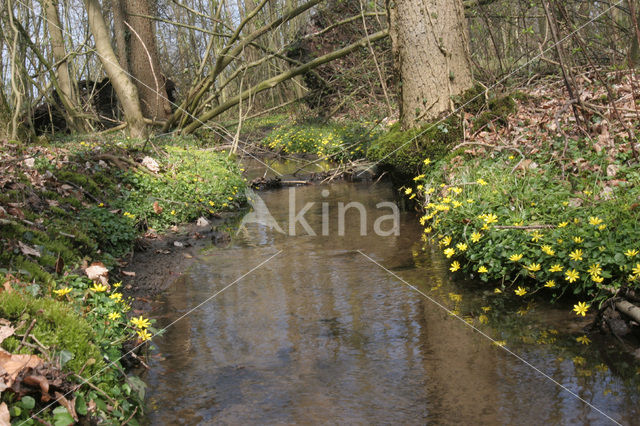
pixel 125 89
pixel 143 60
pixel 430 48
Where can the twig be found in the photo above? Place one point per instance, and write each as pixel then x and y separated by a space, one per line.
pixel 135 410
pixel 97 389
pixel 26 334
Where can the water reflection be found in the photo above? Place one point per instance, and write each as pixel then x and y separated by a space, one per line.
pixel 322 335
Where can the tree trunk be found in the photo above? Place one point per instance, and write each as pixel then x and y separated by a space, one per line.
pixel 143 60
pixel 120 34
pixel 125 89
pixel 66 90
pixel 430 49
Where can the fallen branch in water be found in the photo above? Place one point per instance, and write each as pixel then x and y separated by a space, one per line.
pixel 628 309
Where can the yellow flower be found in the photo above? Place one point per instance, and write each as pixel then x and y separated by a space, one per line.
pixel 636 269
pixel 445 241
pixel 417 178
pixel 455 297
pixel 581 308
pixel 144 335
pixel 101 205
pixel 515 257
pixel 462 246
pixel 211 203
pixel 578 360
pixel 597 279
pixel 408 191
pixel 562 224
pixel 62 291
pixel 534 267
pixel 98 288
pixel 427 161
pixel 490 218
pixel 486 308
pixel 594 269
pixel 117 285
pixel 449 252
pixel 173 212
pixel 594 220
pixel 576 255
pixel 556 268
pixel 520 291
pixel 536 236
pixel 572 275
pixel 578 240
pixel 550 284
pixel 483 270
pixel 455 266
pixel 140 322
pixel 481 182
pixel 497 290
pixel 483 319
pixel 548 250
pixel 602 227
pixel 114 316
pixel 116 296
pixel 631 253
pixel 475 237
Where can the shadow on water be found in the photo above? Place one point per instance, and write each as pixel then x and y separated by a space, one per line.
pixel 321 335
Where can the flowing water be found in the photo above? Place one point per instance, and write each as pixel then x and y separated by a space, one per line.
pixel 320 334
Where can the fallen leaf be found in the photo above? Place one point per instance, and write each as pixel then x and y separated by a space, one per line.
pixel 12 364
pixel 128 274
pixel 5 418
pixel 30 162
pixel 28 251
pixel 156 207
pixel 6 331
pixel 59 265
pixel 41 382
pixel 202 222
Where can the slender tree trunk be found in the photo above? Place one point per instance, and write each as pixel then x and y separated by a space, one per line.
pixel 120 34
pixel 430 49
pixel 125 89
pixel 66 90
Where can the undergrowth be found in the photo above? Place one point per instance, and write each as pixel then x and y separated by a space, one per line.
pixel 82 201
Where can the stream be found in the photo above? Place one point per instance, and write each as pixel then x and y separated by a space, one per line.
pixel 322 334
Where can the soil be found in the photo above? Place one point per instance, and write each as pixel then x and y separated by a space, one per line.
pixel 161 259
